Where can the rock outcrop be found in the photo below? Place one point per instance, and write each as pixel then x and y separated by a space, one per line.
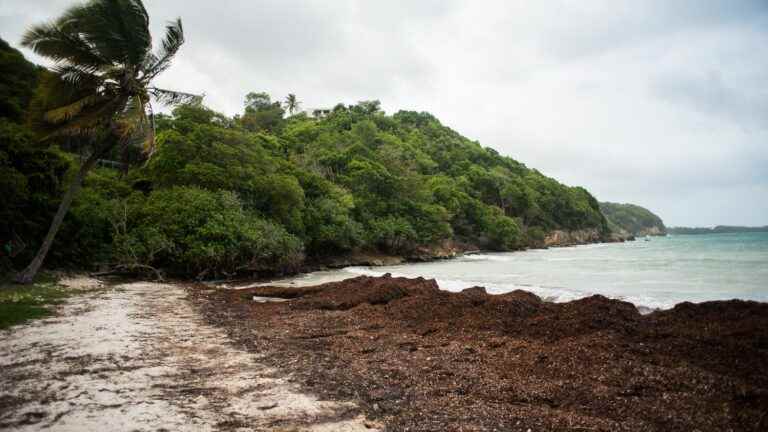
pixel 572 238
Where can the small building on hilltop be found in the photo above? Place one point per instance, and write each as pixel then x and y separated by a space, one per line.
pixel 318 112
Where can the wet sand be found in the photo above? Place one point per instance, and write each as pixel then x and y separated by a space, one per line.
pixel 303 280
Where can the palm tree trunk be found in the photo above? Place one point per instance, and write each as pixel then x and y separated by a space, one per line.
pixel 29 273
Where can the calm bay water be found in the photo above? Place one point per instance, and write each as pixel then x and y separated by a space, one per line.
pixel 655 274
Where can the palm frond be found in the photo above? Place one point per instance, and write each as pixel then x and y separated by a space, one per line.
pixel 89 122
pixel 104 65
pixel 54 92
pixel 172 42
pixel 135 24
pixel 131 118
pixel 78 77
pixel 171 97
pixel 117 29
pixel 55 42
pixel 149 61
pixel 67 112
pixel 136 128
pixel 149 142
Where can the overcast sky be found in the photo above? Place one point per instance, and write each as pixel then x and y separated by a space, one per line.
pixel 660 103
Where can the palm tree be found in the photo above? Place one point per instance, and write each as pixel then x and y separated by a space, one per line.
pixel 100 87
pixel 292 103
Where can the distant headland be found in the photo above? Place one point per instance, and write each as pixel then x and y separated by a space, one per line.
pixel 630 220
pixel 720 229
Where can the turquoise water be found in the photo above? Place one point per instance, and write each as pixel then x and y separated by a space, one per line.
pixel 653 274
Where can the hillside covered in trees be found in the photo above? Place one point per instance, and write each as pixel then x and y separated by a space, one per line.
pixel 267 190
pixel 632 220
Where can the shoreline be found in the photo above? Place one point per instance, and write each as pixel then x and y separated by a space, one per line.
pixel 377 259
pixel 366 268
pixel 385 353
pixel 445 251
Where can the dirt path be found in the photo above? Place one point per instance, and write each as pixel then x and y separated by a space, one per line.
pixel 138 357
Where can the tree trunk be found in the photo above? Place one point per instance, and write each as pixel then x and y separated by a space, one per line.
pixel 29 273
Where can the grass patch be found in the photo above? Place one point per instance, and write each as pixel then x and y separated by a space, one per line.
pixel 20 303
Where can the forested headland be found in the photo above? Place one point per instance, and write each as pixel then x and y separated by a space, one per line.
pixel 632 220
pixel 267 190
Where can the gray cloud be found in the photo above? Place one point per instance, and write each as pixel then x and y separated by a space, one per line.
pixel 604 25
pixel 743 103
pixel 662 103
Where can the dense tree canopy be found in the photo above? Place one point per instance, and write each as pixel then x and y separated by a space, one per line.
pixel 31 175
pixel 263 191
pixel 18 79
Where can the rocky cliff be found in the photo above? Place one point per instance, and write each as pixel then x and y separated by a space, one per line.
pixel 572 238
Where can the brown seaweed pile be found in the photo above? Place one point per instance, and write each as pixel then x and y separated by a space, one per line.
pixel 421 359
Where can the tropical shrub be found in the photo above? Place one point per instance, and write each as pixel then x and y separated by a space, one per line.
pixel 193 231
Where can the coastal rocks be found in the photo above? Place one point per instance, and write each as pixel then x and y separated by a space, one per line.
pixel 360 259
pixel 652 231
pixel 621 235
pixel 572 238
pixel 443 250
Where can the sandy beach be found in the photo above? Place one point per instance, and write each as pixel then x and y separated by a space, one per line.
pixel 379 353
pixel 139 356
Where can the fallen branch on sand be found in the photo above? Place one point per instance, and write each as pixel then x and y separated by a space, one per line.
pixel 123 269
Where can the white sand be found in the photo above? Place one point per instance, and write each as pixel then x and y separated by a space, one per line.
pixel 139 357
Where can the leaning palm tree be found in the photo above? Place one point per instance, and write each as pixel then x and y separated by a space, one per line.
pixel 292 103
pixel 100 87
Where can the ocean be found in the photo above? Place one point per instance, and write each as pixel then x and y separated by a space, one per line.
pixel 654 274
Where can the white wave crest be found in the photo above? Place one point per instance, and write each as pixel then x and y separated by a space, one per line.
pixel 549 294
pixel 487 257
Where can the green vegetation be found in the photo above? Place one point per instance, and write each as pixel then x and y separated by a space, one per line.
pixel 221 195
pixel 193 231
pixel 262 191
pixel 19 80
pixel 720 229
pixel 31 173
pixel 630 219
pixel 21 303
pixel 99 90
